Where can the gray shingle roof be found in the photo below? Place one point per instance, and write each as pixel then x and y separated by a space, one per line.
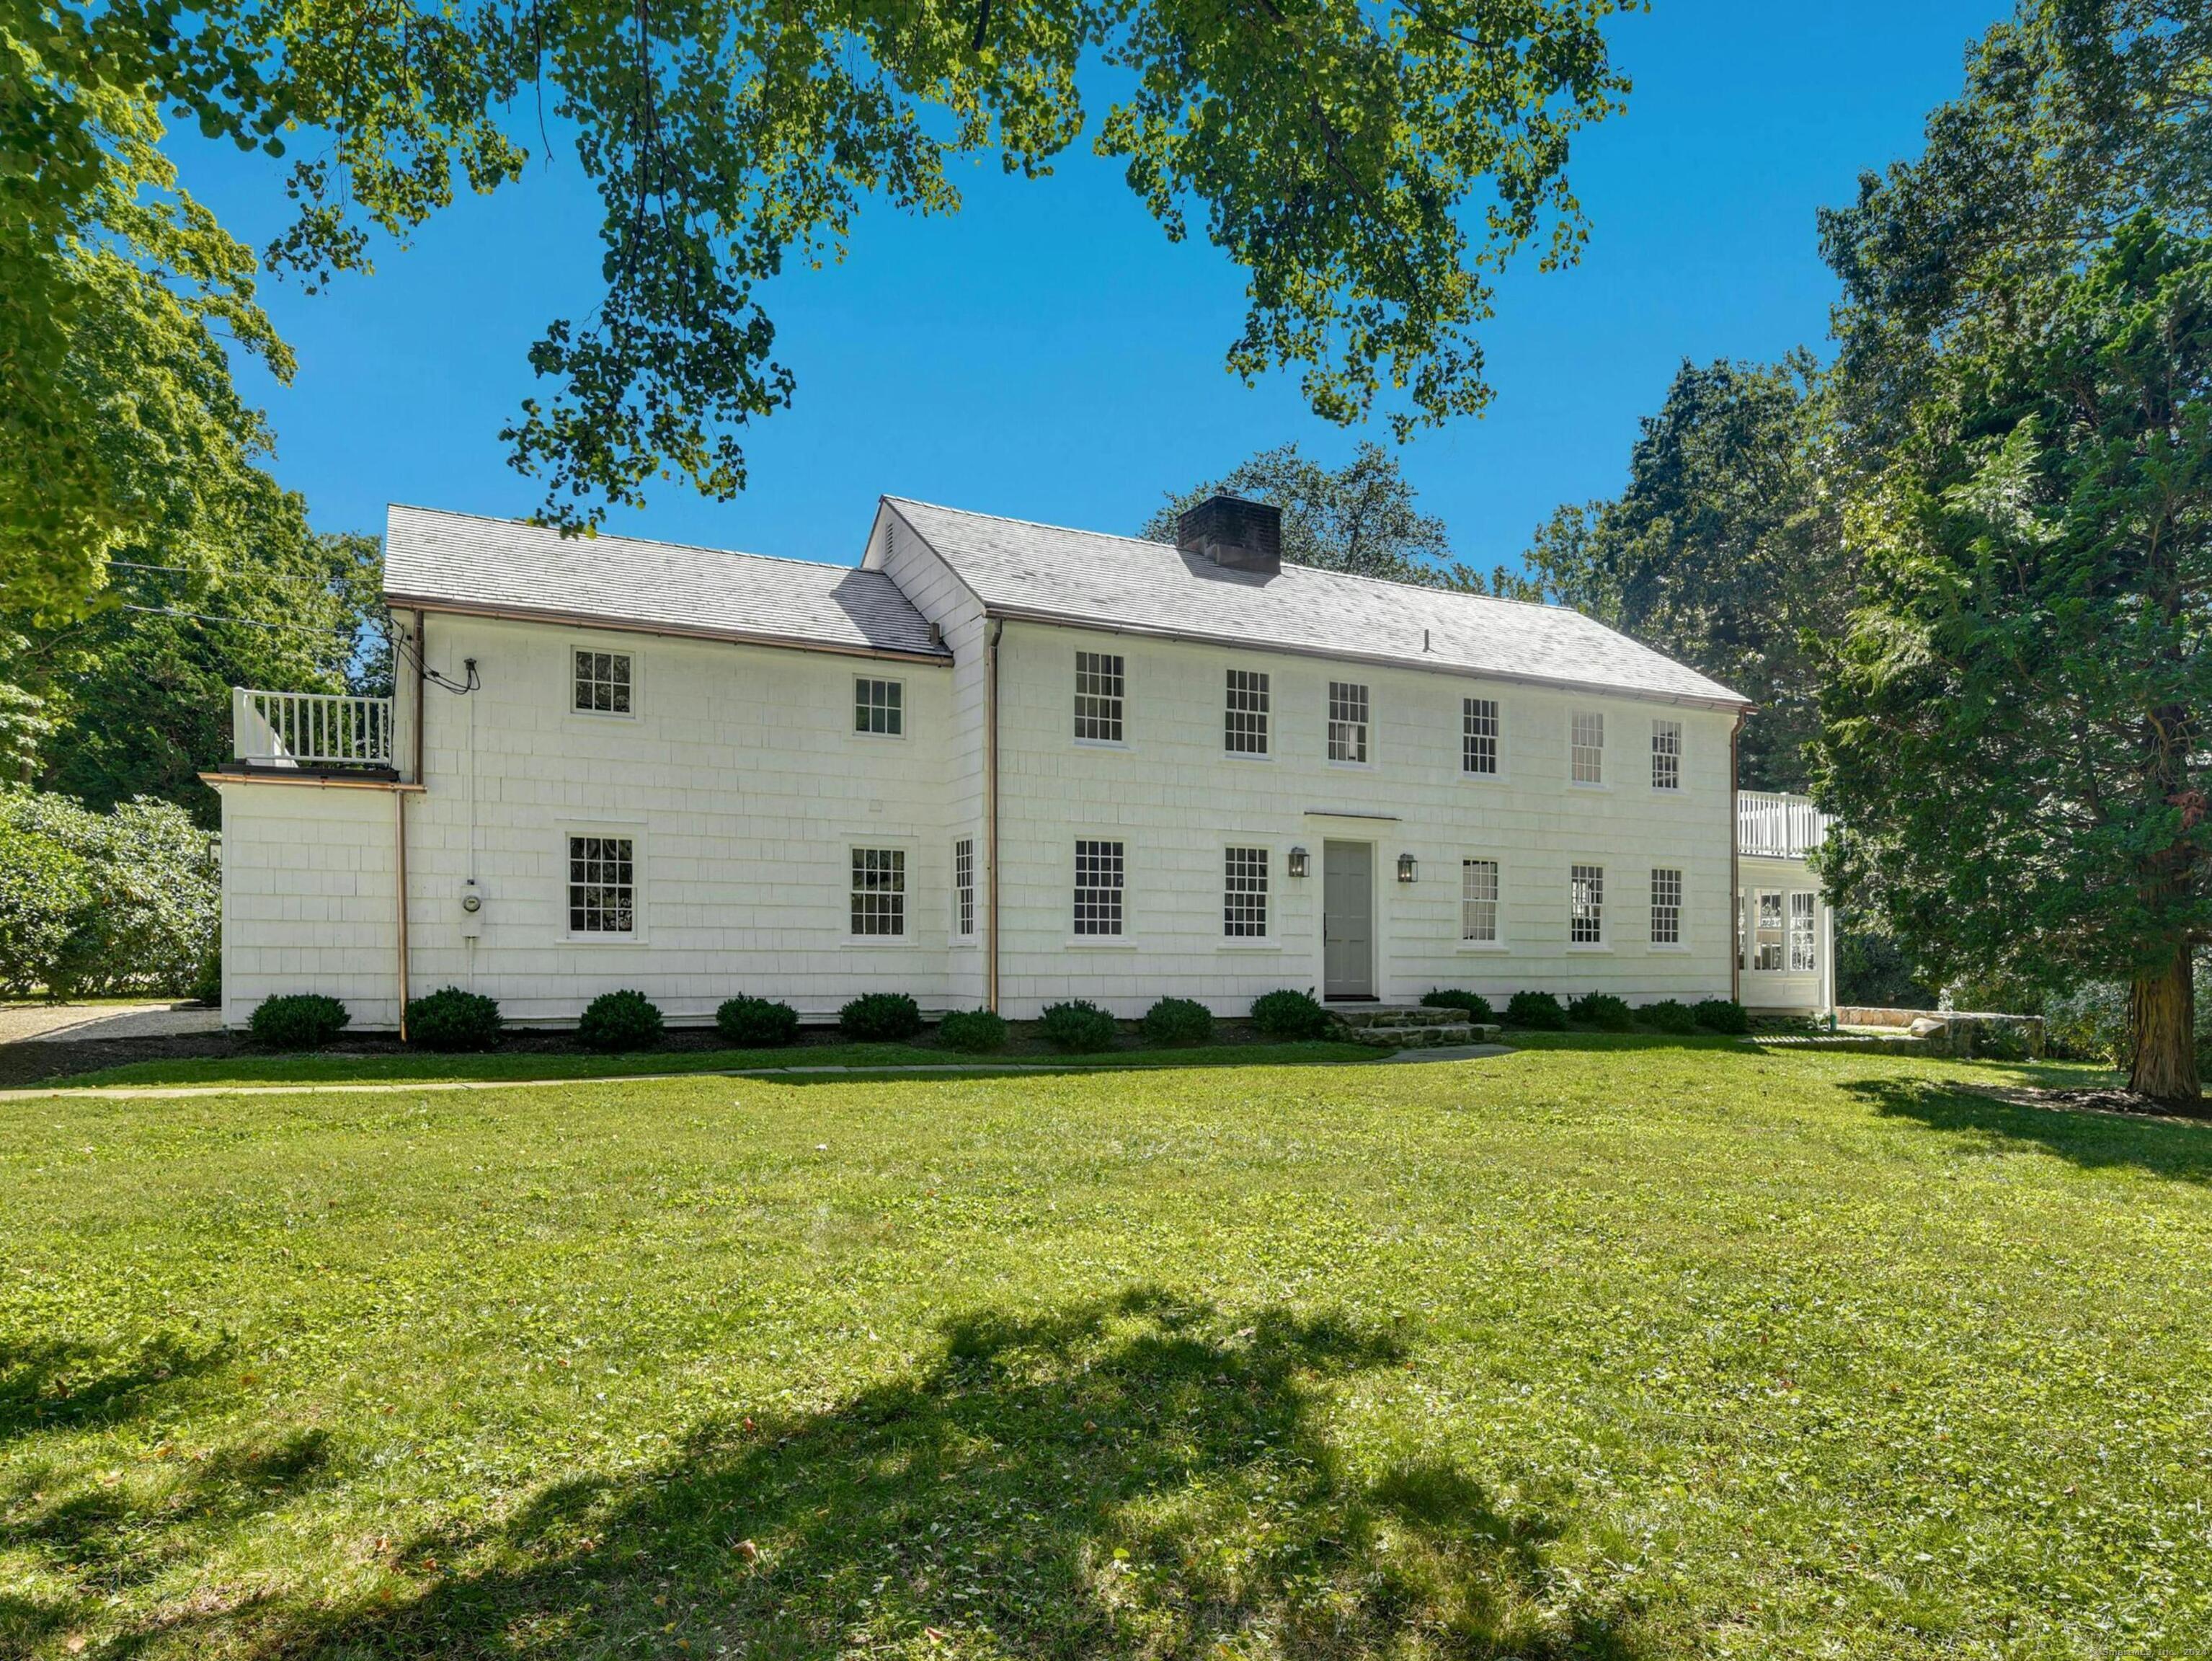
pixel 459 562
pixel 1045 571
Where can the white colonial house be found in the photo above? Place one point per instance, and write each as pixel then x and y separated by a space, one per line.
pixel 996 763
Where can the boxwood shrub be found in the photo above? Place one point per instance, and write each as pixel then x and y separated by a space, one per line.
pixel 450 1018
pixel 1445 997
pixel 880 1018
pixel 1669 1015
pixel 975 1031
pixel 1288 1014
pixel 1602 1011
pixel 298 1020
pixel 1539 1012
pixel 757 1023
pixel 1078 1024
pixel 620 1020
pixel 1178 1021
pixel 1721 1015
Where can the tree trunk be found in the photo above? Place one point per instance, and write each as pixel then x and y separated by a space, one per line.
pixel 2162 1021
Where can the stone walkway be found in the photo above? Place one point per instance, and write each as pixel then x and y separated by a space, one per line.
pixel 73 1023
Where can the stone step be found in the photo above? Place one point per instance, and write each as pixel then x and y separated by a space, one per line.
pixel 1433 1036
pixel 1376 1014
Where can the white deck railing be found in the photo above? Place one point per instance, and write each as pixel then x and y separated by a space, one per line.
pixel 1784 827
pixel 310 729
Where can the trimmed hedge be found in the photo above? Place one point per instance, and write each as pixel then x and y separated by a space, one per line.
pixel 298 1020
pixel 450 1018
pixel 1178 1021
pixel 1288 1014
pixel 880 1017
pixel 1602 1011
pixel 1445 997
pixel 620 1020
pixel 1538 1012
pixel 1721 1015
pixel 757 1023
pixel 1669 1015
pixel 973 1031
pixel 1078 1024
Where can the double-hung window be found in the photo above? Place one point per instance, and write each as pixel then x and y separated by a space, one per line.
pixel 1244 893
pixel 1666 755
pixel 1586 756
pixel 1586 905
pixel 1347 721
pixel 879 892
pixel 963 888
pixel 1666 907
pixel 1098 685
pixel 1244 718
pixel 1478 735
pixel 879 707
pixel 603 683
pixel 1766 931
pixel 1478 901
pixel 1098 872
pixel 1804 941
pixel 602 885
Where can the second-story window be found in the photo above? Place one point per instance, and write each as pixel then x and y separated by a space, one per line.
pixel 1347 721
pixel 1666 755
pixel 879 707
pixel 1098 697
pixel 1479 734
pixel 603 683
pixel 1586 757
pixel 1244 721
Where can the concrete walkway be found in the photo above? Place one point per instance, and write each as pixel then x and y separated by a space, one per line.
pixel 121 1092
pixel 75 1023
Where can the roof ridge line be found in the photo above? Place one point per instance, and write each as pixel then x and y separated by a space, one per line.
pixel 617 536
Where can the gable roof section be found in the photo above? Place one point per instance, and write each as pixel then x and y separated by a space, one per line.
pixel 1050 574
pixel 503 567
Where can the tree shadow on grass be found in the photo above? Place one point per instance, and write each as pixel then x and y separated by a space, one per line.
pixel 1142 1476
pixel 64 1384
pixel 2165 1148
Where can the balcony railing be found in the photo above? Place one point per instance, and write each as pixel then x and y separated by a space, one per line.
pixel 310 729
pixel 1784 827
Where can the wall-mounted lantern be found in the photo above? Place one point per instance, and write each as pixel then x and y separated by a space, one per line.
pixel 1297 862
pixel 1408 871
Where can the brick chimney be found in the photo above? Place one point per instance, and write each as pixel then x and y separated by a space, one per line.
pixel 1244 536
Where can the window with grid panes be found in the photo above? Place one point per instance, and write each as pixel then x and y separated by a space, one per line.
pixel 1586 905
pixel 879 891
pixel 1666 755
pixel 1244 893
pixel 1478 900
pixel 1098 887
pixel 1588 750
pixel 602 682
pixel 963 888
pixel 1478 735
pixel 1666 908
pixel 1098 697
pixel 1347 721
pixel 1245 720
pixel 1804 942
pixel 602 885
pixel 879 707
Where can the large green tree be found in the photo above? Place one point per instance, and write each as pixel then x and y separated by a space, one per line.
pixel 1370 165
pixel 2014 727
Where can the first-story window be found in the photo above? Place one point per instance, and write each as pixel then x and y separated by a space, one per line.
pixel 1478 900
pixel 1097 887
pixel 1766 931
pixel 1586 905
pixel 1244 893
pixel 1587 750
pixel 1098 685
pixel 1804 949
pixel 1244 720
pixel 602 885
pixel 602 683
pixel 1477 729
pixel 1347 721
pixel 1666 908
pixel 963 888
pixel 879 707
pixel 879 891
pixel 1666 755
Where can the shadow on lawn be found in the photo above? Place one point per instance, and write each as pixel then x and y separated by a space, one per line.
pixel 59 1384
pixel 1137 1477
pixel 2165 1148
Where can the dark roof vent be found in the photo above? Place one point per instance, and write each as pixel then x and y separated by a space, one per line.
pixel 1244 536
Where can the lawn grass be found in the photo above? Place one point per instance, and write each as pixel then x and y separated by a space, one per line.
pixel 420 1065
pixel 1604 1348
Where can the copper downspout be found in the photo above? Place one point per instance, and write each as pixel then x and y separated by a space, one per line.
pixel 400 825
pixel 991 815
pixel 1735 873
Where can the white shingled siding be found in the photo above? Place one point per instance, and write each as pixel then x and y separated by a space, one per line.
pixel 1177 801
pixel 1783 989
pixel 307 898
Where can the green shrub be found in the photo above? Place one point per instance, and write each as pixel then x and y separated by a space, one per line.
pixel 620 1020
pixel 1288 1014
pixel 1444 997
pixel 880 1017
pixel 1539 1012
pixel 1178 1021
pixel 141 888
pixel 1721 1015
pixel 1078 1024
pixel 975 1031
pixel 450 1018
pixel 298 1020
pixel 207 985
pixel 757 1023
pixel 1669 1015
pixel 1602 1011
pixel 45 891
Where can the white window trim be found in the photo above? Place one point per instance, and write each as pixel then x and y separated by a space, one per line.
pixel 1681 942
pixel 1603 943
pixel 1127 940
pixel 1274 725
pixel 1605 768
pixel 1329 719
pixel 641 881
pixel 1681 785
pixel 1121 743
pixel 974 933
pixel 1750 933
pixel 582 644
pixel 1270 941
pixel 1492 948
pixel 906 942
pixel 852 708
pixel 1503 770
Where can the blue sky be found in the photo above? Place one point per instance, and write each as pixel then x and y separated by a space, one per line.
pixel 1047 354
